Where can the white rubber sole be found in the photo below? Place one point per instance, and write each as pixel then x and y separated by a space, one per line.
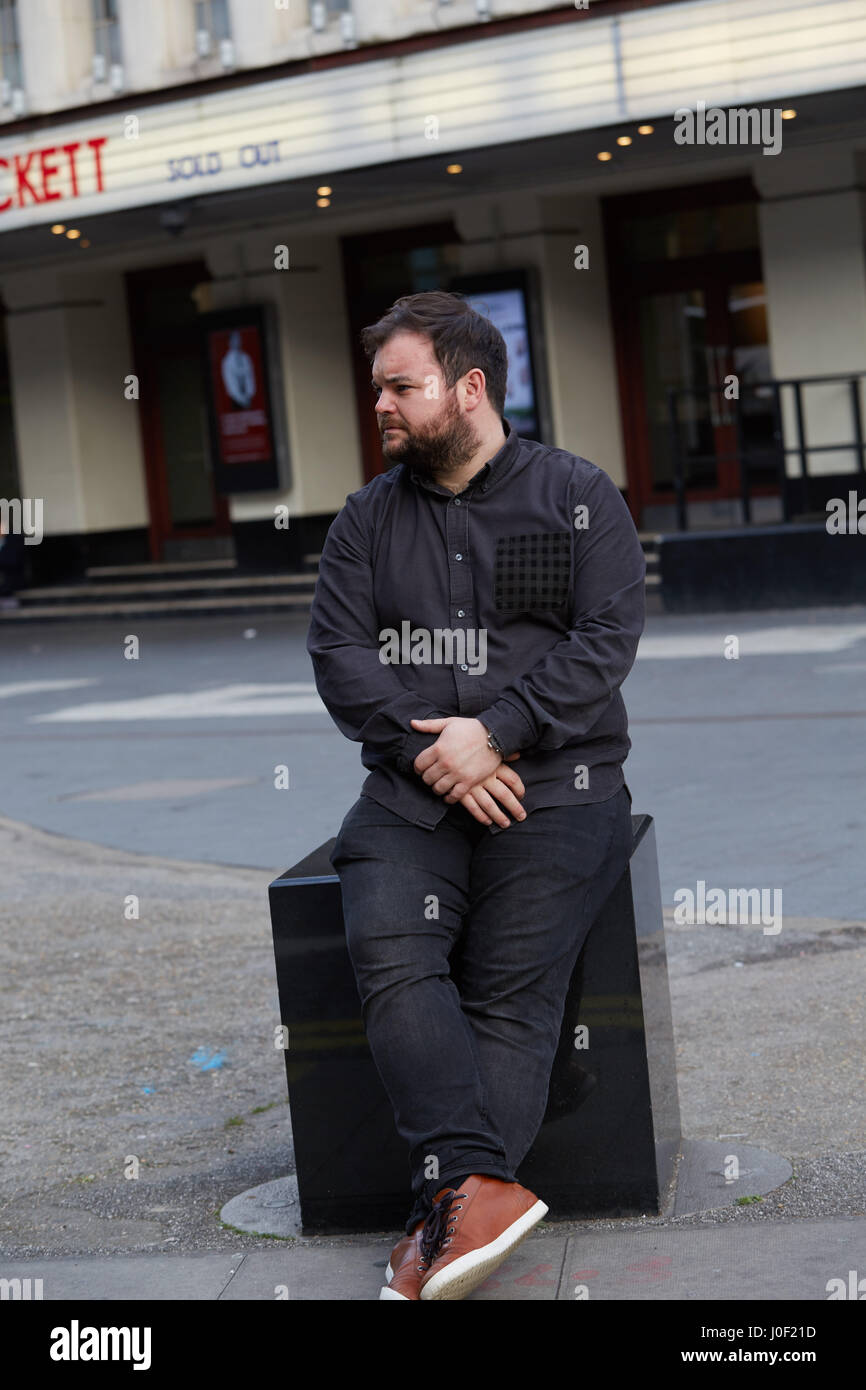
pixel 385 1292
pixel 462 1275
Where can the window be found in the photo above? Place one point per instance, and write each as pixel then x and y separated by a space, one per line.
pixel 212 28
pixel 324 12
pixel 106 41
pixel 10 56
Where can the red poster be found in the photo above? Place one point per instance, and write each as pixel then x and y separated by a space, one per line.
pixel 240 401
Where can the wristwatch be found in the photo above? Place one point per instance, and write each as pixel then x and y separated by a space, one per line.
pixel 494 744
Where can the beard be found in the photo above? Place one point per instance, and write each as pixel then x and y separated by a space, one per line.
pixel 439 449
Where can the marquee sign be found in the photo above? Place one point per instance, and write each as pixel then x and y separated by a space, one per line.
pixel 593 72
pixel 53 172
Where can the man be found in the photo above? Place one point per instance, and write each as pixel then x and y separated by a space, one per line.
pixel 468 888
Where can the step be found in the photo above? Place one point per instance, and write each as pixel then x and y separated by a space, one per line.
pixel 154 568
pixel 169 607
pixel 154 608
pixel 109 590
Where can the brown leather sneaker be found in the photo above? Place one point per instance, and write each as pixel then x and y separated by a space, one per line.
pixel 471 1231
pixel 406 1268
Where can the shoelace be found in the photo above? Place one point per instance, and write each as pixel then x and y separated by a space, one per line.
pixel 437 1226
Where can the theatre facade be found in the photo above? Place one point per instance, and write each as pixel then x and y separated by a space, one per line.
pixel 662 207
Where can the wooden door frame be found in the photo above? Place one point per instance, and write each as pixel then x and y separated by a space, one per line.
pixel 628 281
pixel 161 527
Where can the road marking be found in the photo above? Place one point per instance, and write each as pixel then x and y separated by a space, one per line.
pixel 301 697
pixel 217 702
pixel 768 641
pixel 35 687
pixel 167 789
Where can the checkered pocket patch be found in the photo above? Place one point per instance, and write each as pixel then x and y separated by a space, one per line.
pixel 532 571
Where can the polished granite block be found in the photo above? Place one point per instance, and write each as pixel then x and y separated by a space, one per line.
pixel 610 1137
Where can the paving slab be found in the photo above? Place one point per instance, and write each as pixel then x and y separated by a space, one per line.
pixel 139 1277
pixel 776 1260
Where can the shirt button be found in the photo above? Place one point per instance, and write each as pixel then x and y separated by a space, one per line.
pixel 457 501
pixel 464 667
pixel 461 613
pixel 458 557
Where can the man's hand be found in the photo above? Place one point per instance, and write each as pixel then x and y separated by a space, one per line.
pixel 503 786
pixel 459 759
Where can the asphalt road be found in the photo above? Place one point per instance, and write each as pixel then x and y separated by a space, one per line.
pixel 753 768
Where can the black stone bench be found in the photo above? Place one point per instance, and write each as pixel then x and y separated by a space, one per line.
pixel 611 1134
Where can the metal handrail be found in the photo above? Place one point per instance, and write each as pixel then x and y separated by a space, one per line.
pixel 745 455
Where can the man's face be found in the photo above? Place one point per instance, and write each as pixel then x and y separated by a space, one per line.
pixel 421 421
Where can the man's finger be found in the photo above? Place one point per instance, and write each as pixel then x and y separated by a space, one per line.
pixel 474 809
pixel 486 802
pixel 507 801
pixel 425 758
pixel 511 779
pixel 446 784
pixel 433 772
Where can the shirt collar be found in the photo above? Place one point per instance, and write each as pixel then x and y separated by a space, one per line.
pixel 493 471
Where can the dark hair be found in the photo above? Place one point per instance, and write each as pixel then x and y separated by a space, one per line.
pixel 461 338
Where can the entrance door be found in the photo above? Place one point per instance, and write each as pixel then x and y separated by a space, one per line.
pixel 695 340
pixel 168 362
pixel 690 313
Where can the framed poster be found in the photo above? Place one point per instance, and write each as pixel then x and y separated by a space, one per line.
pixel 247 437
pixel 503 297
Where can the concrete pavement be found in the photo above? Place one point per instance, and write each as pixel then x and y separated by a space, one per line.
pixel 785 1260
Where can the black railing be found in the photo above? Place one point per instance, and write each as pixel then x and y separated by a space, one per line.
pixel 748 456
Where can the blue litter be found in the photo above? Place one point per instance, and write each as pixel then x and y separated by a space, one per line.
pixel 202 1059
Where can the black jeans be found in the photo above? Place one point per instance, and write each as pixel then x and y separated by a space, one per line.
pixel 463 945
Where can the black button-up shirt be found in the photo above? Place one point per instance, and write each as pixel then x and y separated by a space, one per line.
pixel 519 601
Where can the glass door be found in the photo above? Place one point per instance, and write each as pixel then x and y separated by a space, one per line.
pixel 708 342
pixel 689 311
